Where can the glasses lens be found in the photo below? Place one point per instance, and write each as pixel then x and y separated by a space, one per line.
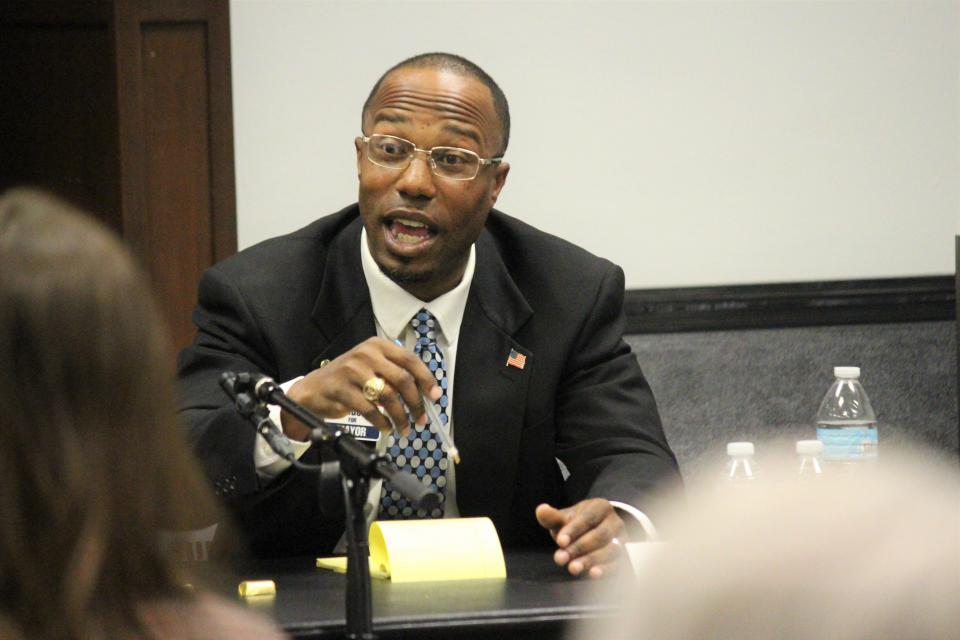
pixel 451 162
pixel 388 151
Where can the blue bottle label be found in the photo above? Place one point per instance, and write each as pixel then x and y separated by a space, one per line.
pixel 848 443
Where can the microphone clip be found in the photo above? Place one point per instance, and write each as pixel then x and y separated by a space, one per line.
pixel 250 392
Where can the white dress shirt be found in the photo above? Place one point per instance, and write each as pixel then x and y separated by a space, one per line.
pixel 393 308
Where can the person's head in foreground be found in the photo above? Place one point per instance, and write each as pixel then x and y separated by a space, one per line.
pixel 92 462
pixel 869 556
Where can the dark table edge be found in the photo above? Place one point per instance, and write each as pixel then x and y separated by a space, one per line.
pixel 498 620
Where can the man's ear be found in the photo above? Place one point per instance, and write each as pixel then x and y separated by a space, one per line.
pixel 499 179
pixel 358 145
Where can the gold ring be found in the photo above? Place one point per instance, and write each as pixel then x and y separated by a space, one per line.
pixel 372 388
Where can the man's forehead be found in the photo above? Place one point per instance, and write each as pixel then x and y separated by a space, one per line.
pixel 449 95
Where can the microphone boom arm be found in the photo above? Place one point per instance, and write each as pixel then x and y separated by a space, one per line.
pixel 354 457
pixel 252 392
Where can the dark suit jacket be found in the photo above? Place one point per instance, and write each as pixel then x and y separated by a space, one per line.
pixel 284 305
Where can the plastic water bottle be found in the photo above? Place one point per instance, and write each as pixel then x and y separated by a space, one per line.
pixel 846 423
pixel 809 453
pixel 740 466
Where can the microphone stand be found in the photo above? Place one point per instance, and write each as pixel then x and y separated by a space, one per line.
pixel 358 464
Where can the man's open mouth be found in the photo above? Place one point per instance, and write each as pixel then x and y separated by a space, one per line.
pixel 407 231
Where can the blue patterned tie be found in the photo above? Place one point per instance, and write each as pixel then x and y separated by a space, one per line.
pixel 421 451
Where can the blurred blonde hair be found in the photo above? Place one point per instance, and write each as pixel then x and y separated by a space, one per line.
pixel 93 462
pixel 869 555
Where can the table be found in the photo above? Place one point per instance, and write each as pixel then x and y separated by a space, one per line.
pixel 538 599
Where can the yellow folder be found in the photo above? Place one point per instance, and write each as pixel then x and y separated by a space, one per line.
pixel 431 550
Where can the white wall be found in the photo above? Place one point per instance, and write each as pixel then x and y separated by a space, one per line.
pixel 693 143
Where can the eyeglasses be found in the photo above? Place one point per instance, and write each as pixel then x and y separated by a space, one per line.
pixel 452 163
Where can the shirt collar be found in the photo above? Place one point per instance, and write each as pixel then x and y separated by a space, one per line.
pixel 393 307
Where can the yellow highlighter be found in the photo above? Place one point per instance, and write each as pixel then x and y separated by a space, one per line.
pixel 256 588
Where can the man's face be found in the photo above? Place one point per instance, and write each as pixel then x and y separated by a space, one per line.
pixel 419 225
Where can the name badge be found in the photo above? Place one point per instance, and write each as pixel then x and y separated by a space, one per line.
pixel 356 425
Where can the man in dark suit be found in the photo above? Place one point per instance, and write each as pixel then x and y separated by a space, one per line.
pixel 529 327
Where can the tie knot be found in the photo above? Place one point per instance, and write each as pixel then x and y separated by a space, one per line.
pixel 426 327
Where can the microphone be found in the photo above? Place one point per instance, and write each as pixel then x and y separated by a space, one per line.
pixel 249 391
pixel 264 387
pixel 252 391
pixel 422 496
pixel 258 385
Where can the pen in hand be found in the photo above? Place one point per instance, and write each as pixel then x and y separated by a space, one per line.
pixel 438 424
pixel 441 428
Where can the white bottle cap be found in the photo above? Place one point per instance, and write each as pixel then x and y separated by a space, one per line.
pixel 739 448
pixel 846 372
pixel 809 447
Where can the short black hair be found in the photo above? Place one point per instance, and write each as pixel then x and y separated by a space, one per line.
pixel 459 65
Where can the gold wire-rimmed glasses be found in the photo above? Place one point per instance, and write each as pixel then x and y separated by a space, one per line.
pixel 452 163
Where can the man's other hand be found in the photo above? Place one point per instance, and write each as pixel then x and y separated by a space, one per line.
pixel 588 536
pixel 336 388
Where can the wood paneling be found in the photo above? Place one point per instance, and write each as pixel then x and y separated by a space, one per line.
pixel 58 113
pixel 125 107
pixel 176 157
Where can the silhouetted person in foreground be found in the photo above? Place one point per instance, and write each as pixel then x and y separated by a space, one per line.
pixel 873 555
pixel 93 464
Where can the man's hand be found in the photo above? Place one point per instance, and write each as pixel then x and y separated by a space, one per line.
pixel 588 535
pixel 336 388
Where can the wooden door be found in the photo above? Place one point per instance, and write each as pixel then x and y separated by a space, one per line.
pixel 124 107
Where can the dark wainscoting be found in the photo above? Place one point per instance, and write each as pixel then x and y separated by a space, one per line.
pixel 801 304
pixel 124 108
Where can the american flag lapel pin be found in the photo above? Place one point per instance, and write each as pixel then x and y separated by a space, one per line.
pixel 516 359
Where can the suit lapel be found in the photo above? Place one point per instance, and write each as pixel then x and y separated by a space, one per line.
pixel 489 397
pixel 342 310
